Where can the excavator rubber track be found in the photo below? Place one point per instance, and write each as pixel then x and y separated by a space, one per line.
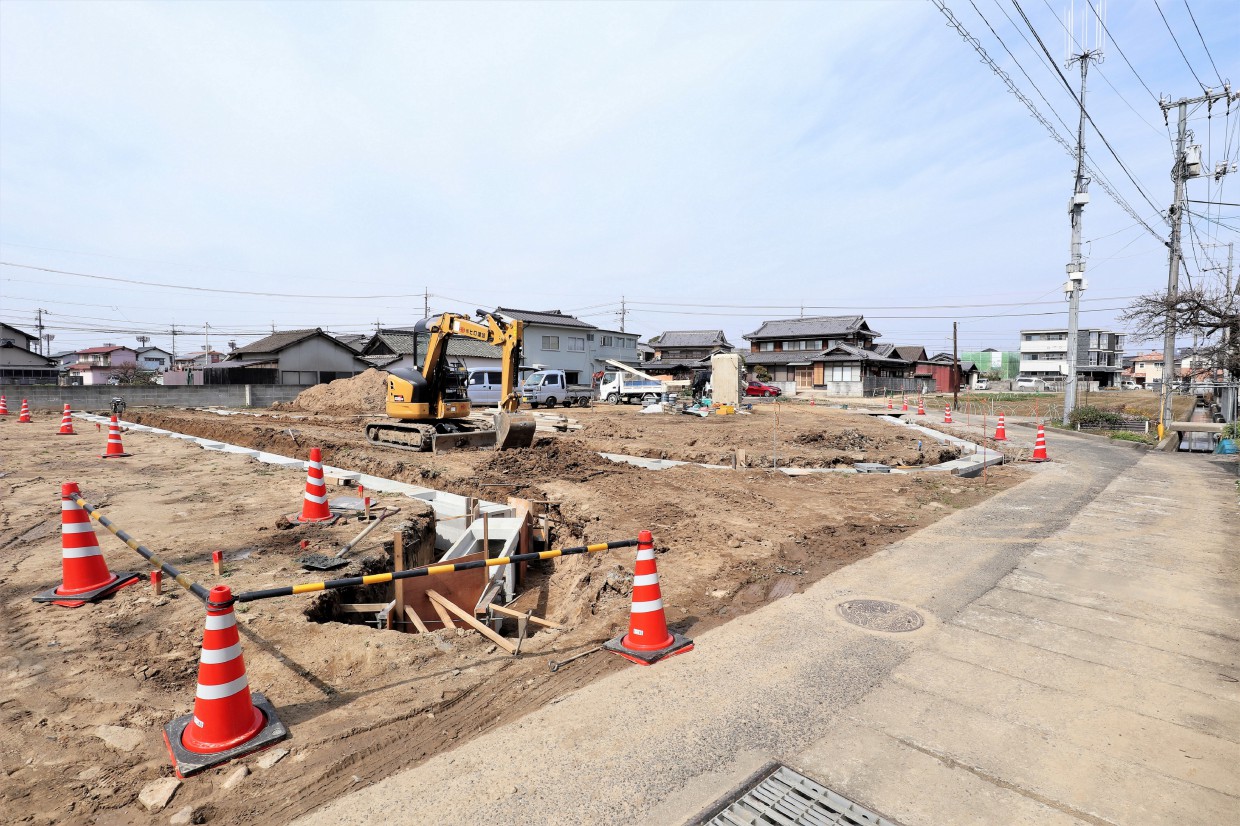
pixel 509 432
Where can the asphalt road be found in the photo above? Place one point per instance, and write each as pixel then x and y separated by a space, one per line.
pixel 1077 665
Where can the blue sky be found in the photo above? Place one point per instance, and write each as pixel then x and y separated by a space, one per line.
pixel 757 157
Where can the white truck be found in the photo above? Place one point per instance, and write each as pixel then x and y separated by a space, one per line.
pixel 550 387
pixel 616 387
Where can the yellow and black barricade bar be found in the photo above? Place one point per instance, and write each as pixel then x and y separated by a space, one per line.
pixel 429 570
pixel 180 578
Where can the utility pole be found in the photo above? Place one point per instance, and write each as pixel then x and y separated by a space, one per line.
pixel 955 367
pixel 206 343
pixel 174 345
pixel 426 302
pixel 1075 284
pixel 39 324
pixel 623 312
pixel 1187 164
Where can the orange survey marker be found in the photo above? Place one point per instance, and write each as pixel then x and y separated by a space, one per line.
pixel 115 450
pixel 66 423
pixel 85 574
pixel 1000 431
pixel 228 721
pixel 648 639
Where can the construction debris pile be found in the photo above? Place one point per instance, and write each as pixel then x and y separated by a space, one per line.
pixel 363 394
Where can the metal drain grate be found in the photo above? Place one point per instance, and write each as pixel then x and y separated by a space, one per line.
pixel 787 798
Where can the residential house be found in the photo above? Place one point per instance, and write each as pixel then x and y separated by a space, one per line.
pixel 677 353
pixel 943 374
pixel 645 352
pixel 354 340
pixel 1099 355
pixel 835 354
pixel 199 359
pixel 555 340
pixel 1147 368
pixel 299 357
pixel 96 365
pixel 397 347
pixel 154 358
pixel 19 363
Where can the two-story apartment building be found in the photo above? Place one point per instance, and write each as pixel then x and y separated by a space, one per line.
pixel 1099 355
pixel 555 340
pixel 95 365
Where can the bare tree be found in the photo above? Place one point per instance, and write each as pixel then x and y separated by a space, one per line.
pixel 132 374
pixel 1208 309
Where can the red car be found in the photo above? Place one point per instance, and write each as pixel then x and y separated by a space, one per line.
pixel 757 388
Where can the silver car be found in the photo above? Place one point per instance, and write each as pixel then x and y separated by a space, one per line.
pixel 485 387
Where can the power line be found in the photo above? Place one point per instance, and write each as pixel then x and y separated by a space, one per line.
pixel 1115 43
pixel 200 289
pixel 1084 111
pixel 1203 41
pixel 1178 46
pixel 1033 110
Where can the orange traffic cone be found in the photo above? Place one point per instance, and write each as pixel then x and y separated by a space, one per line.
pixel 228 721
pixel 86 575
pixel 903 404
pixel 314 505
pixel 890 404
pixel 921 407
pixel 1039 447
pixel 4 406
pixel 24 418
pixel 648 639
pixel 1000 431
pixel 66 424
pixel 947 414
pixel 115 450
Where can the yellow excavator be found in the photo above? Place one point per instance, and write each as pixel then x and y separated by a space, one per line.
pixel 431 407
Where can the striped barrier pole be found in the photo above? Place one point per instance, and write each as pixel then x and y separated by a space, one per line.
pixel 429 570
pixel 180 578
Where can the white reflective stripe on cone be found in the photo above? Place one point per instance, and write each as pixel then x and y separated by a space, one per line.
pixel 645 579
pixel 215 656
pixel 648 606
pixel 79 553
pixel 76 527
pixel 219 623
pixel 69 505
pixel 318 500
pixel 645 553
pixel 219 692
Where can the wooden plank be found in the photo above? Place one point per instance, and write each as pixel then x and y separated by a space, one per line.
pixel 444 616
pixel 361 607
pixel 469 620
pixel 508 612
pixel 415 619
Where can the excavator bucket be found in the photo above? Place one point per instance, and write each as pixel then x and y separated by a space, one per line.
pixel 513 431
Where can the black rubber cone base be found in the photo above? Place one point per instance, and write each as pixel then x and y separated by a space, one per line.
pixel 679 646
pixel 187 763
pixel 123 578
pixel 114 455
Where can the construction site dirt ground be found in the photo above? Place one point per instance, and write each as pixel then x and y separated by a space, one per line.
pixel 87 690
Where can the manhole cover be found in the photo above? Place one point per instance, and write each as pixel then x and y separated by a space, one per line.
pixel 784 797
pixel 879 615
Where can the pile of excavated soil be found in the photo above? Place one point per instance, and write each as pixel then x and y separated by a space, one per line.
pixel 548 458
pixel 363 393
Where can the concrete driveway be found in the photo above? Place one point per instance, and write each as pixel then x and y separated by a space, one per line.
pixel 1078 664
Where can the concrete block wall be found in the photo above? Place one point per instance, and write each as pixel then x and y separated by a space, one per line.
pixel 52 397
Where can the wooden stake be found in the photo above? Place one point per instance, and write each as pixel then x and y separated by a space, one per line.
pixel 469 620
pixel 444 616
pixel 508 612
pixel 217 561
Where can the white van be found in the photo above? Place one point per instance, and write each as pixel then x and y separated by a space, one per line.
pixel 485 387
